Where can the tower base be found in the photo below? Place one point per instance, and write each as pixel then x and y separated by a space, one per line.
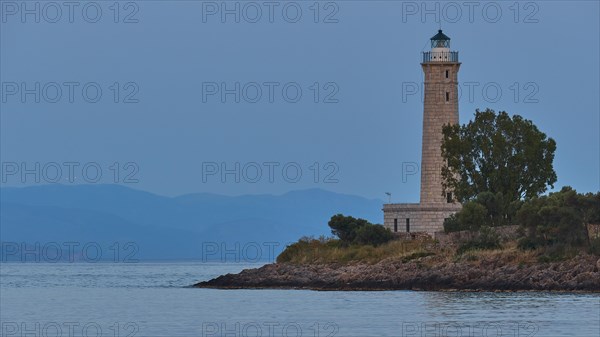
pixel 429 218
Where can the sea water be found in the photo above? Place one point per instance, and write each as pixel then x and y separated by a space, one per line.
pixel 154 299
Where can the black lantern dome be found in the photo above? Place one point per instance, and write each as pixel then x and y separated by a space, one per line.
pixel 440 40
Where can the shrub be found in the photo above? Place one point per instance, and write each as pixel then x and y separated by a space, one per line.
pixel 557 252
pixel 470 217
pixel 375 235
pixel 451 224
pixel 526 243
pixel 556 219
pixel 595 246
pixel 590 206
pixel 416 255
pixel 486 239
pixel 307 249
pixel 487 209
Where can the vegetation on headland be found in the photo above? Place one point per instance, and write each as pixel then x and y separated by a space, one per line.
pixel 484 260
pixel 330 250
pixel 557 221
pixel 498 167
pixel 494 164
pixel 483 243
pixel 357 239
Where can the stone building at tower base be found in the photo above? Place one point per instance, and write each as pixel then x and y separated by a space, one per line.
pixel 409 218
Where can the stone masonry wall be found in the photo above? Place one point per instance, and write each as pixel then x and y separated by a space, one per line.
pixel 423 217
pixel 440 108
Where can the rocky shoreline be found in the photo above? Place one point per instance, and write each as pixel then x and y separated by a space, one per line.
pixel 581 274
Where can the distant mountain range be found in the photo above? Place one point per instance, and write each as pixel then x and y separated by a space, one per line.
pixel 193 226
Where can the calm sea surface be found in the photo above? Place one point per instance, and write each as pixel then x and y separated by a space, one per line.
pixel 151 299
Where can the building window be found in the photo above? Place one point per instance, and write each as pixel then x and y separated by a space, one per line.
pixel 447 74
pixel 447 96
pixel 395 225
pixel 407 225
pixel 449 198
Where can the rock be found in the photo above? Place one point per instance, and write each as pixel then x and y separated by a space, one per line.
pixel 579 274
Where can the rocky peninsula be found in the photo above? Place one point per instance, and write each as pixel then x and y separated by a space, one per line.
pixel 484 272
pixel 490 259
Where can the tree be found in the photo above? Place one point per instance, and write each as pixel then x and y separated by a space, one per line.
pixel 557 219
pixel 344 227
pixel 358 231
pixel 498 154
pixel 373 235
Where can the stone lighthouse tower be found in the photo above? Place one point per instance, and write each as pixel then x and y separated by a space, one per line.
pixel 440 66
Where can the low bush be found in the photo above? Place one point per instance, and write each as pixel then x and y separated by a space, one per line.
pixel 559 219
pixel 595 246
pixel 487 209
pixel 558 252
pixel 486 239
pixel 470 217
pixel 416 255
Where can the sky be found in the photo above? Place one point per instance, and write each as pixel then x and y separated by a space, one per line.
pixel 242 97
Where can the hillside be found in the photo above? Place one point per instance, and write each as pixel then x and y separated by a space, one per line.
pixel 165 227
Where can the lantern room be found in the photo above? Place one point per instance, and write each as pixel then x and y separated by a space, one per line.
pixel 440 50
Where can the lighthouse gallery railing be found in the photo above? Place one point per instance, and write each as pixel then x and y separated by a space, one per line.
pixel 440 56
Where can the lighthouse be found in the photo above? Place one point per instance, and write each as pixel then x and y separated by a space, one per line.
pixel 440 107
pixel 440 68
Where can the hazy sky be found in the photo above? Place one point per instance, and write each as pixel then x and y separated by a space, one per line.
pixel 333 98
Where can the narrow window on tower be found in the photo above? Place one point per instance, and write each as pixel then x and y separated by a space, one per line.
pixel 407 225
pixel 395 225
pixel 447 96
pixel 447 74
pixel 449 198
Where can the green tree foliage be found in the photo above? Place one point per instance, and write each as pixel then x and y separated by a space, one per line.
pixel 351 230
pixel 470 217
pixel 590 204
pixel 498 154
pixel 344 227
pixel 487 209
pixel 486 239
pixel 371 234
pixel 560 218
